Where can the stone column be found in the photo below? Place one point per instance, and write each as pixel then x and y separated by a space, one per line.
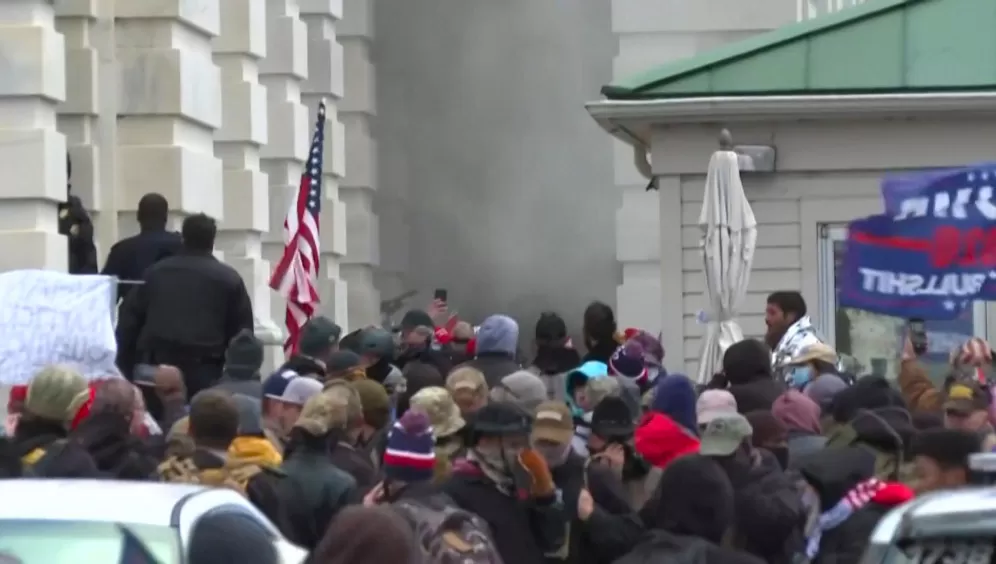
pixel 282 158
pixel 77 21
pixel 237 52
pixel 325 81
pixel 169 107
pixel 32 151
pixel 357 189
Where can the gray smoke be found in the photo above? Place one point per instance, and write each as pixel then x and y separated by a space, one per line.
pixel 481 125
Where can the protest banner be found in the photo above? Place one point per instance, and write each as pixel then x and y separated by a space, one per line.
pixel 56 318
pixel 934 250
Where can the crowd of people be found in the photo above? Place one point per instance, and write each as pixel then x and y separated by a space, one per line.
pixel 435 442
pixel 443 446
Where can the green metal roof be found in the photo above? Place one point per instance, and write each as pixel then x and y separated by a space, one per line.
pixel 880 46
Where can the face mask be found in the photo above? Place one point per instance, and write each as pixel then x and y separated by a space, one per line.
pixel 555 455
pixel 799 376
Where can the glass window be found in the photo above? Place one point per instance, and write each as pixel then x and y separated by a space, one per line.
pixel 875 341
pixel 63 542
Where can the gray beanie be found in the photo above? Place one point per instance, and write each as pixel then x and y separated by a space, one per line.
pixel 523 388
pixel 250 415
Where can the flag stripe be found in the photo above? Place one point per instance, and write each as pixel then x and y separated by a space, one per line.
pixel 296 273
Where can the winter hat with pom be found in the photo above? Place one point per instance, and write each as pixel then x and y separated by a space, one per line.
pixel 410 455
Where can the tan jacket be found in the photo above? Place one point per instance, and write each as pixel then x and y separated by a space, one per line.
pixel 917 389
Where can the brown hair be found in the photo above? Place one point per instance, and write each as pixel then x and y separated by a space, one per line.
pixel 361 535
pixel 214 419
pixel 114 396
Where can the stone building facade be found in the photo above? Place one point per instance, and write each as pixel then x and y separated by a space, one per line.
pixel 185 97
pixel 212 112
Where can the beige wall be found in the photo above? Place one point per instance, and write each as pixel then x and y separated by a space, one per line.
pixel 828 172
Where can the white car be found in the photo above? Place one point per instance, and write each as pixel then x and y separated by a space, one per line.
pixel 952 526
pixel 73 521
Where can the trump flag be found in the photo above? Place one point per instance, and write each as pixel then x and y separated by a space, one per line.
pixel 934 250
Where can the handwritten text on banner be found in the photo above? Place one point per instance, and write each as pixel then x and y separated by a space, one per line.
pixel 50 317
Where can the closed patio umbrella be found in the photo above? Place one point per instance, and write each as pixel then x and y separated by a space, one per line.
pixel 729 233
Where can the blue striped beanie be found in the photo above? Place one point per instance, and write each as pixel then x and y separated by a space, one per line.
pixel 410 455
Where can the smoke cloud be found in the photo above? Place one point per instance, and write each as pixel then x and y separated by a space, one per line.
pixel 492 175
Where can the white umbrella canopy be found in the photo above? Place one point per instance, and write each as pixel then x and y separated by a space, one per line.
pixel 729 234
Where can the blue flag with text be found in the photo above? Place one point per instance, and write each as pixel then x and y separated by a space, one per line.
pixel 932 253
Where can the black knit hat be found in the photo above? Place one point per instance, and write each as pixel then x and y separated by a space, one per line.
pixel 746 361
pixel 502 418
pixel 416 318
pixel 244 355
pixel 551 329
pixel 612 419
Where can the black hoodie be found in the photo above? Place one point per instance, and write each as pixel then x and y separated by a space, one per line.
pixel 887 431
pixel 833 472
pixel 697 508
pixel 769 511
pixel 116 452
pixel 747 366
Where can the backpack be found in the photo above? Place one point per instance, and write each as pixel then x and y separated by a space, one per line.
pixel 448 534
pixel 184 471
pixel 36 454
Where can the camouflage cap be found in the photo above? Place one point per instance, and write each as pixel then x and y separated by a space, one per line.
pixel 56 393
pixel 344 390
pixel 323 413
pixel 467 379
pixel 443 412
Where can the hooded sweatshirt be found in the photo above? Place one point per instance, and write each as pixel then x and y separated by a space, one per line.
pixel 495 347
pixel 584 376
pixel 253 445
pixel 801 417
pixel 747 366
pixel 660 440
pixel 851 501
pixel 688 521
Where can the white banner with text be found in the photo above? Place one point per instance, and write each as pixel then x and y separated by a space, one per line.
pixel 56 318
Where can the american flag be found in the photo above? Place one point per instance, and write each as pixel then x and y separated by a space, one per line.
pixel 296 274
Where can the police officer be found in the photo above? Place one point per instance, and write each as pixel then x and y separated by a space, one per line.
pixel 130 257
pixel 186 312
pixel 75 224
